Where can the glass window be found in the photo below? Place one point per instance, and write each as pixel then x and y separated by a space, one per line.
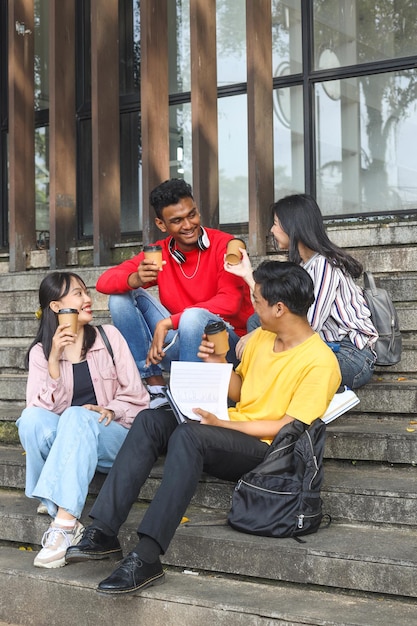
pixel 233 159
pixel 286 37
pixel 231 41
pixel 179 46
pixel 130 173
pixel 42 184
pixel 180 145
pixel 288 141
pixel 41 54
pixel 366 131
pixel 129 26
pixel 347 32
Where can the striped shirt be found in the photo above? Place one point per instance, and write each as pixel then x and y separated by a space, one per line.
pixel 339 310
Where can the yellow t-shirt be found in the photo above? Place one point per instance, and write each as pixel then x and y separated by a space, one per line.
pixel 299 382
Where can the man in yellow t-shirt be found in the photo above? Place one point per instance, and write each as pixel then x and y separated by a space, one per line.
pixel 286 373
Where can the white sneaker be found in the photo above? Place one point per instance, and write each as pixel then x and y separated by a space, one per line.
pixel 55 542
pixel 341 402
pixel 157 397
pixel 42 509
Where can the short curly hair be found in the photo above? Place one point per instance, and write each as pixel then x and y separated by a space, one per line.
pixel 169 192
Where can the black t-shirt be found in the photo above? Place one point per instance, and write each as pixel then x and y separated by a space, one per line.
pixel 83 385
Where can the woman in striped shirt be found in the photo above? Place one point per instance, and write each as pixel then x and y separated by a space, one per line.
pixel 339 314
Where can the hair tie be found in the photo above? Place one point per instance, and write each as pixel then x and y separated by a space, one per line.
pixel 38 313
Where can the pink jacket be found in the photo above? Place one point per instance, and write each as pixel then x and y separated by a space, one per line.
pixel 118 388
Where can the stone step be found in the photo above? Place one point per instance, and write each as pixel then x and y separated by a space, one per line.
pixel 188 597
pixel 352 491
pixel 349 556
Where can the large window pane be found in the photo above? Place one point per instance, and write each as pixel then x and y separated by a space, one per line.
pixel 129 26
pixel 231 41
pixel 179 46
pixel 41 54
pixel 347 32
pixel 366 133
pixel 180 147
pixel 288 141
pixel 130 173
pixel 286 37
pixel 42 185
pixel 233 159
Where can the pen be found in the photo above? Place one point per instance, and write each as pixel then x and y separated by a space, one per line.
pixel 171 343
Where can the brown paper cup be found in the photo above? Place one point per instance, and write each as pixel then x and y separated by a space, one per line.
pixel 154 253
pixel 233 254
pixel 221 342
pixel 69 316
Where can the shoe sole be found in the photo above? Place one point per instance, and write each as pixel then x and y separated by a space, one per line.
pixel 93 556
pixel 51 565
pixel 159 579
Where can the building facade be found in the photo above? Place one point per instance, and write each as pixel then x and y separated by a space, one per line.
pixel 248 100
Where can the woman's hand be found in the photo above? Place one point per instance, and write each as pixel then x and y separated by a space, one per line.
pixel 242 269
pixel 63 337
pixel 106 415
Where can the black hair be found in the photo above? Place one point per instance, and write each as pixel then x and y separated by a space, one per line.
pixel 55 286
pixel 169 192
pixel 300 218
pixel 286 282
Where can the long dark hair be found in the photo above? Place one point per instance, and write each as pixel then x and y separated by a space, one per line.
pixel 301 219
pixel 55 286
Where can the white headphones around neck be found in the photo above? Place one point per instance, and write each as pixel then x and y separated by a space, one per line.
pixel 203 243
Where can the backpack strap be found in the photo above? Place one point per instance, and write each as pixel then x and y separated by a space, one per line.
pixel 369 282
pixel 106 341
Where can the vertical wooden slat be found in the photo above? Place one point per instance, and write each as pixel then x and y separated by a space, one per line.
pixel 204 109
pixel 62 131
pixel 105 127
pixel 154 104
pixel 260 121
pixel 22 235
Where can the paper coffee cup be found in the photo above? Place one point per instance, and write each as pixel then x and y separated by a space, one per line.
pixel 153 252
pixel 69 316
pixel 233 254
pixel 217 333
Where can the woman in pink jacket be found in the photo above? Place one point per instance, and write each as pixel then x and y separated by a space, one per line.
pixel 81 401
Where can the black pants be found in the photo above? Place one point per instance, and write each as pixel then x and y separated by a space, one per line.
pixel 190 449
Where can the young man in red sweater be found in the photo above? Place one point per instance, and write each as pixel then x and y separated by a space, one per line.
pixel 193 289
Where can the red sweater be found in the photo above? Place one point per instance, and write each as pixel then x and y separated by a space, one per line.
pixel 211 287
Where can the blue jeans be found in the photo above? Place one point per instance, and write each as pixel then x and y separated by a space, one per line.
pixel 63 452
pixel 356 366
pixel 136 315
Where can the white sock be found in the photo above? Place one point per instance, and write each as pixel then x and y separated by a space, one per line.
pixel 65 523
pixel 155 388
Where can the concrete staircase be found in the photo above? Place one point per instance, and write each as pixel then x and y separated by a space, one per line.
pixel 362 570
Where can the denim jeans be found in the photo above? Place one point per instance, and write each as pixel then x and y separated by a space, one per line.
pixel 356 366
pixel 136 315
pixel 63 452
pixel 190 449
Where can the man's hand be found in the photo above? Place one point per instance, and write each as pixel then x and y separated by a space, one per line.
pixel 208 418
pixel 148 271
pixel 206 352
pixel 156 351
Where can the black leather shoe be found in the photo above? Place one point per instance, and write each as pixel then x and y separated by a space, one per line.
pixel 94 545
pixel 131 575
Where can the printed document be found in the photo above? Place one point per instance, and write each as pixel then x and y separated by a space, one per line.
pixel 199 386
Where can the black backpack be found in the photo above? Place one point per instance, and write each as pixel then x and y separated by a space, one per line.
pixel 388 346
pixel 281 496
